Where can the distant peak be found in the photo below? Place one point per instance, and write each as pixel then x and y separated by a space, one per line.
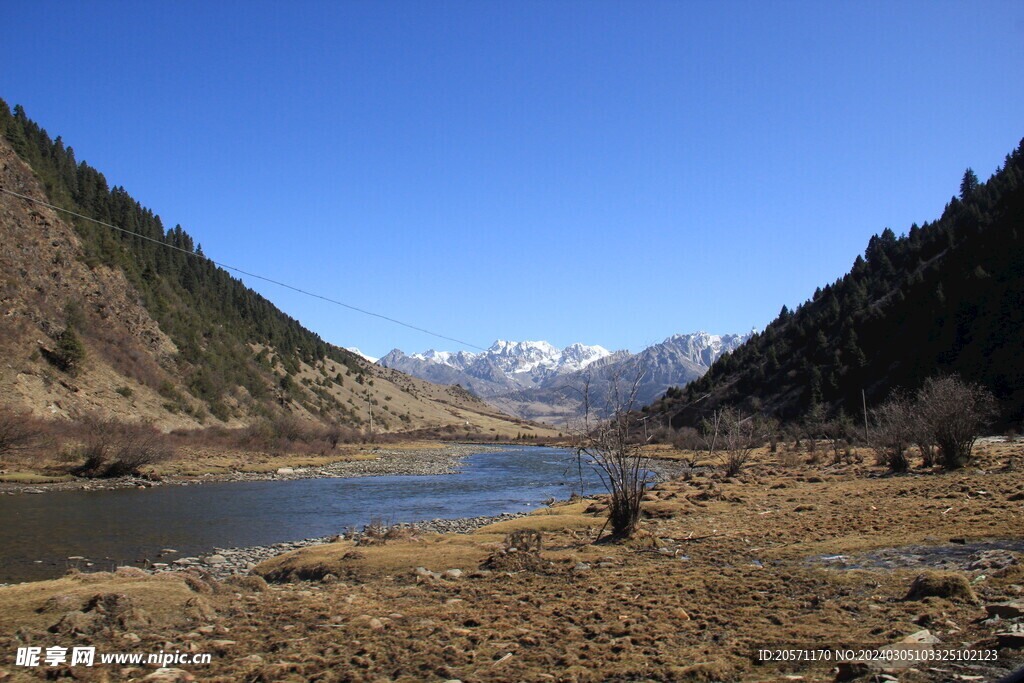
pixel 356 351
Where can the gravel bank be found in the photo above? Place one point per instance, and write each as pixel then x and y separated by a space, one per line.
pixel 225 562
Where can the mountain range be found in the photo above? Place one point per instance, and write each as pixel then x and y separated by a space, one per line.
pixel 538 381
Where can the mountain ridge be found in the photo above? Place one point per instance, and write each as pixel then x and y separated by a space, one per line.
pixel 536 380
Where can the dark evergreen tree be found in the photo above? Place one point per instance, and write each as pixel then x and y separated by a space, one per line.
pixel 947 298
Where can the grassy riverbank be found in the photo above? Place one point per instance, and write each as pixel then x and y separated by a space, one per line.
pixel 788 553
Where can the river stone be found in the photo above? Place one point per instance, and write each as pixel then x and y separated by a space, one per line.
pixel 1006 610
pixel 453 574
pixel 130 572
pixel 169 675
pixel 1013 637
pixel 216 559
pixel 424 573
pixel 285 470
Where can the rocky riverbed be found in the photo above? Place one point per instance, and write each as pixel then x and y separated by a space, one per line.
pixel 224 562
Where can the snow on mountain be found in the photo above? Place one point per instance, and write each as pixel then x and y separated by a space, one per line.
pixel 360 353
pixel 505 366
pixel 534 379
pixel 577 356
pixel 534 356
pixel 703 348
pixel 459 359
pixel 675 362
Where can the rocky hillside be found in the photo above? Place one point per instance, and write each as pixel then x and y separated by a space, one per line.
pixel 92 321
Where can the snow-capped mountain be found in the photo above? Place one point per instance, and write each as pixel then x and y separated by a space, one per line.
pixel 505 366
pixel 675 362
pixel 531 356
pixel 360 353
pixel 536 380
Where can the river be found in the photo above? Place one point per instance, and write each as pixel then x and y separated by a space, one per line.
pixel 125 526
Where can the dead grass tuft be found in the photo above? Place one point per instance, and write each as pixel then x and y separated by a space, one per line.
pixel 948 585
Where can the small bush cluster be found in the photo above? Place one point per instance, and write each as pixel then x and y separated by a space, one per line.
pixel 281 434
pixel 117 449
pixel 943 420
pixel 18 432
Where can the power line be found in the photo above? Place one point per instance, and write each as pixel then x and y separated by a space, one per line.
pixel 243 272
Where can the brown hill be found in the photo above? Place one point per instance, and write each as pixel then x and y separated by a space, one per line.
pixel 132 368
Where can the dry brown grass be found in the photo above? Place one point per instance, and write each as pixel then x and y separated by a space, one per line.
pixel 641 611
pixel 40 604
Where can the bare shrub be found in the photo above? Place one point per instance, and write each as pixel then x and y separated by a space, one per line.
pixel 117 449
pixel 789 458
pixel 335 434
pixel 18 432
pixel 520 552
pixel 687 439
pixel 922 437
pixel 379 532
pixel 836 432
pixel 614 446
pixel 740 436
pixel 953 413
pixel 893 432
pixel 291 428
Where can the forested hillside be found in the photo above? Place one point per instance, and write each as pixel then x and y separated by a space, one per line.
pixel 209 314
pixel 136 323
pixel 947 297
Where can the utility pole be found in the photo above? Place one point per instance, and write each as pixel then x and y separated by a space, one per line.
pixel 864 402
pixel 369 409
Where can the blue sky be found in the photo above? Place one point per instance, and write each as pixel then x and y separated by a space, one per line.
pixel 604 172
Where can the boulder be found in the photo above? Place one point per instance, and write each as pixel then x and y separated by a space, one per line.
pixel 1012 638
pixel 1006 610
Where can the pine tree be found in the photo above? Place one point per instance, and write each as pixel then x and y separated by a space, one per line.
pixel 70 351
pixel 968 185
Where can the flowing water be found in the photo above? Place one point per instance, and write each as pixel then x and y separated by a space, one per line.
pixel 39 532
